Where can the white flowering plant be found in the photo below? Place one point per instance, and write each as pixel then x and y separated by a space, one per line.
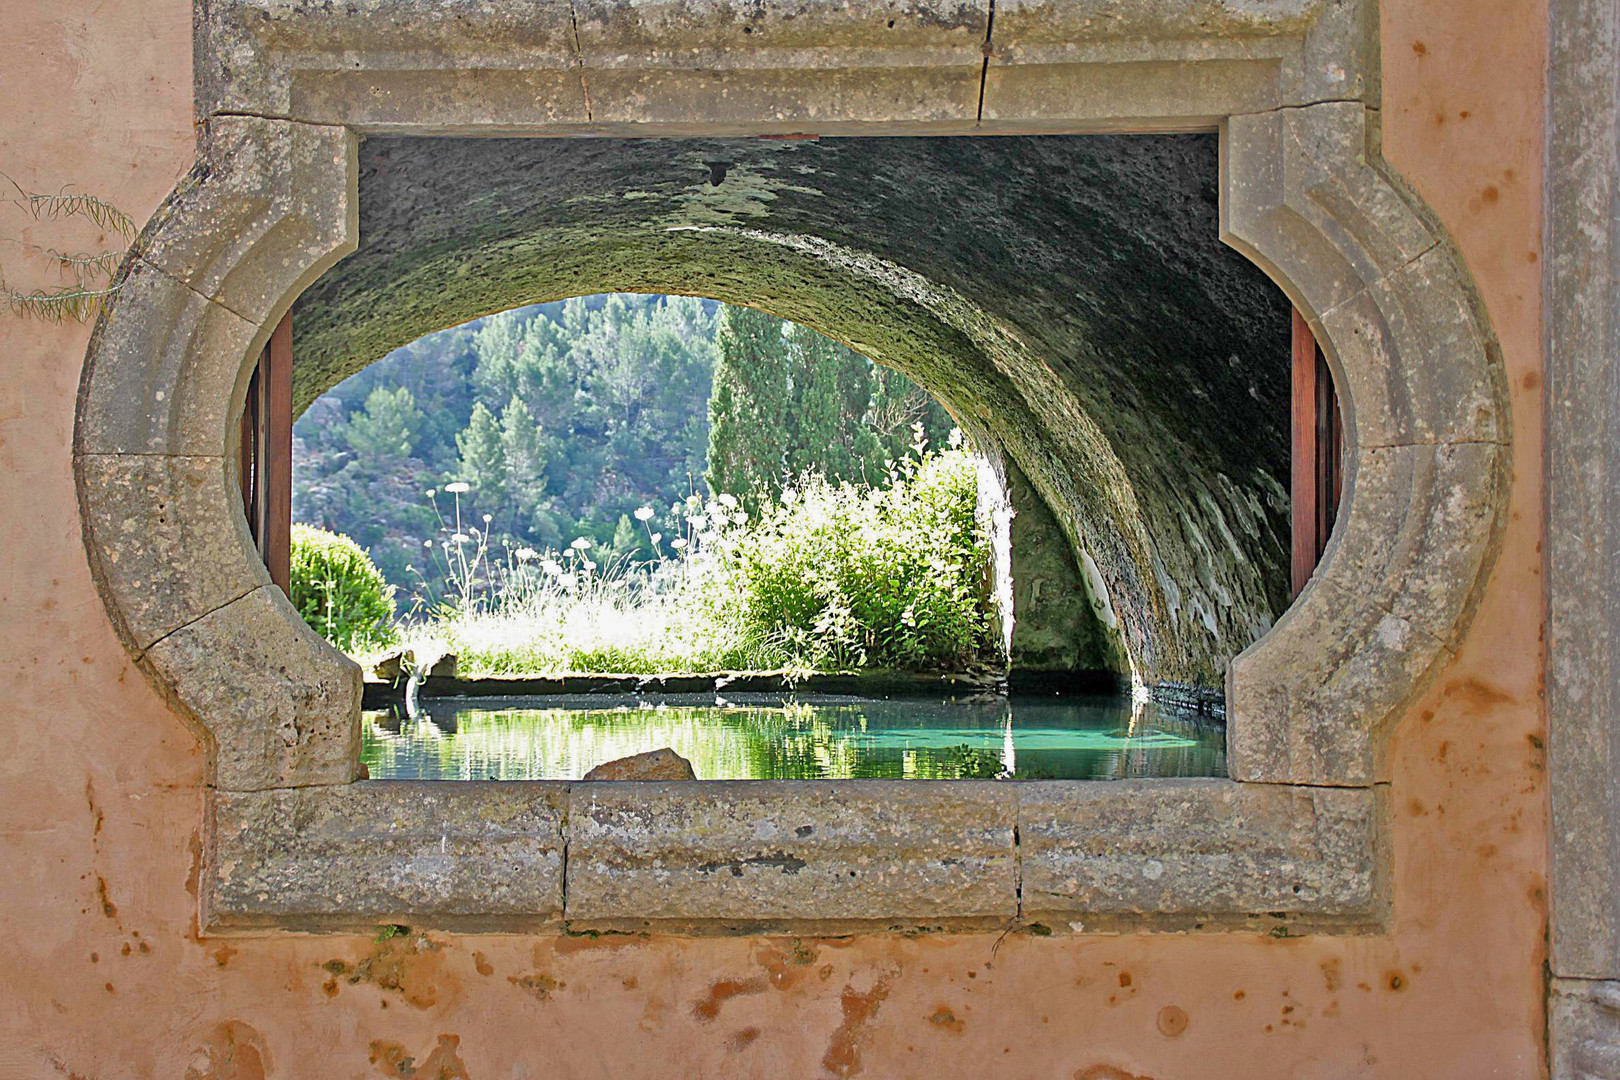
pixel 825 577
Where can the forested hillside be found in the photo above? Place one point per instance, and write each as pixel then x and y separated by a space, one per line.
pixel 564 419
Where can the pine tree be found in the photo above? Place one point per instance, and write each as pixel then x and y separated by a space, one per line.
pixel 386 428
pixel 523 443
pixel 626 540
pixel 748 407
pixel 483 458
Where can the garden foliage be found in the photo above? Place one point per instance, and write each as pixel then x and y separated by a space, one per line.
pixel 827 577
pixel 340 592
pixel 847 575
pixel 565 418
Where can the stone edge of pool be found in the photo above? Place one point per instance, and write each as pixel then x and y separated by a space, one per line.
pixel 381 693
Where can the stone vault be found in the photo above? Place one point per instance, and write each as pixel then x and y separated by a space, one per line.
pixel 1067 297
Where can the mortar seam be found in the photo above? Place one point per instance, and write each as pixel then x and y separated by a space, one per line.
pixel 1316 785
pixel 565 831
pixel 579 60
pixel 984 69
pixel 279 117
pixel 1018 858
pixel 141 654
pixel 188 286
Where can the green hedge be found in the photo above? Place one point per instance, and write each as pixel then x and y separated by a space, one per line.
pixel 884 577
pixel 340 592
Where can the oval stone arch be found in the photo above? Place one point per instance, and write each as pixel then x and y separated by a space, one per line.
pixel 1089 331
pixel 990 411
pixel 272 204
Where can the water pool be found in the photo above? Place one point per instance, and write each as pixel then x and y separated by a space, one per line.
pixel 770 737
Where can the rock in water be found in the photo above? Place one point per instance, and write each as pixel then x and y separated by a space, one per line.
pixel 429 660
pixel 663 764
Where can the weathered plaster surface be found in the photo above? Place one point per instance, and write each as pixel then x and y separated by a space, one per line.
pixel 100 797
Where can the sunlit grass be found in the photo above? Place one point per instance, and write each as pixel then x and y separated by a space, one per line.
pixel 828 577
pixel 606 627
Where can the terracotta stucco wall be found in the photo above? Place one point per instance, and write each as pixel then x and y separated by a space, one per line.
pixel 102 974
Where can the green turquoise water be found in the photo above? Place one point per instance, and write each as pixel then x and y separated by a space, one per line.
pixel 763 737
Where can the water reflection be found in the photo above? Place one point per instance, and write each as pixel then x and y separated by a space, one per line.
pixel 759 737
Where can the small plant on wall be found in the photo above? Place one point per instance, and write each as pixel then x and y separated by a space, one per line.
pixel 84 278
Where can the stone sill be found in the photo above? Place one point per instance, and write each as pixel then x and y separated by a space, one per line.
pixel 798 856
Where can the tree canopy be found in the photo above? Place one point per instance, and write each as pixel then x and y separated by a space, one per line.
pixel 565 418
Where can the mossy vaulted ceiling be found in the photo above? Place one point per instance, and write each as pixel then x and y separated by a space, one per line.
pixel 1067 296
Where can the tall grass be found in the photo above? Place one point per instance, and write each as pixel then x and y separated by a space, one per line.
pixel 514 611
pixel 828 577
pixel 624 620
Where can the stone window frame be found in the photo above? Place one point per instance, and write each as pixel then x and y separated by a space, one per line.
pixel 1294 840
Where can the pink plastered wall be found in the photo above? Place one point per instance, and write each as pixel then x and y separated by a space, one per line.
pixel 102 973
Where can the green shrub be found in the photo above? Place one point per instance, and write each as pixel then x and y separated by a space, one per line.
pixel 828 576
pixel 340 592
pixel 853 576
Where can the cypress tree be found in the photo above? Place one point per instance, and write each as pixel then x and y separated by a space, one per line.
pixel 832 397
pixel 748 407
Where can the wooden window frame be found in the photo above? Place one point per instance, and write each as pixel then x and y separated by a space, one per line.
pixel 265 464
pixel 1317 463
